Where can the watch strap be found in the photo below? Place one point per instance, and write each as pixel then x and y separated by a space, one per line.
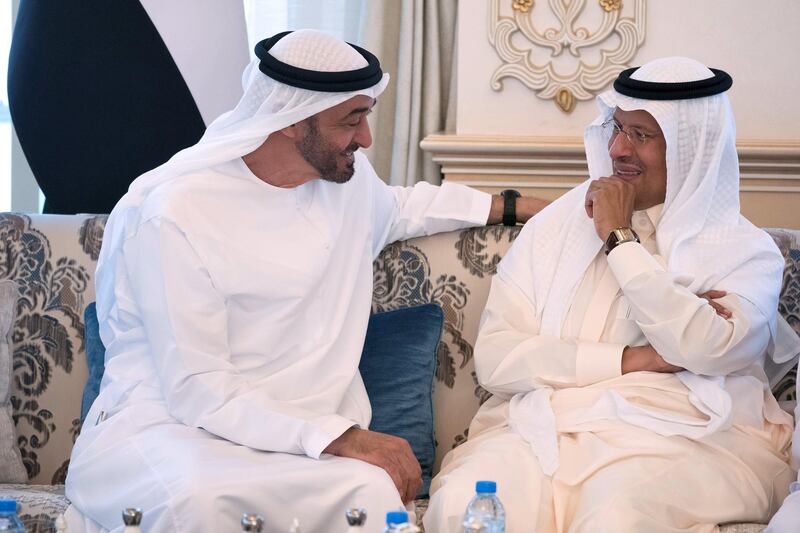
pixel 510 206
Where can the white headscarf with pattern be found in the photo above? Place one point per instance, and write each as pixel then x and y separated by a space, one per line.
pixel 701 233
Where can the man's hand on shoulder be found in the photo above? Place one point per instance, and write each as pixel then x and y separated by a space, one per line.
pixel 609 202
pixel 645 359
pixel 391 453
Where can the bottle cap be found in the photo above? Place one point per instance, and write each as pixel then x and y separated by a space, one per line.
pixel 132 516
pixel 396 517
pixel 252 522
pixel 8 506
pixel 485 487
pixel 356 516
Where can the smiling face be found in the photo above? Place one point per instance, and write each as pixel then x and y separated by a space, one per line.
pixel 328 140
pixel 642 163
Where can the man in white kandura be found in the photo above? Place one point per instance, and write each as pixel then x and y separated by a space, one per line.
pixel 233 292
pixel 624 402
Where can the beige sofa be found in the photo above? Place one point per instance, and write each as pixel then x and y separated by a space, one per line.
pixel 53 258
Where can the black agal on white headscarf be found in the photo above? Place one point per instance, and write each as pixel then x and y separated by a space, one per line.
pixel 318 80
pixel 719 82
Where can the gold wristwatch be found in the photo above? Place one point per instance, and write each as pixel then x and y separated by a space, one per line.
pixel 619 236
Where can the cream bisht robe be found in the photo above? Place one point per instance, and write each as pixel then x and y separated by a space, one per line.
pixel 574 445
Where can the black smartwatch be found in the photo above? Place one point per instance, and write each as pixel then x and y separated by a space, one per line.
pixel 619 236
pixel 510 206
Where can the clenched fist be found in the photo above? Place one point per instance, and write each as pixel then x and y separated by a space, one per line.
pixel 609 202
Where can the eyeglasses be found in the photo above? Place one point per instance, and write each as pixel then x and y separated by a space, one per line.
pixel 634 136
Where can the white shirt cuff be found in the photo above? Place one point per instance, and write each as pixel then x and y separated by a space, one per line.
pixel 597 361
pixel 480 203
pixel 629 260
pixel 481 207
pixel 322 432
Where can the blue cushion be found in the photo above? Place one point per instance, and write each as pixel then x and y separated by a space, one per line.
pixel 398 365
pixel 95 358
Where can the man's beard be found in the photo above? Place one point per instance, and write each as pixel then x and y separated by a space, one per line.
pixel 321 155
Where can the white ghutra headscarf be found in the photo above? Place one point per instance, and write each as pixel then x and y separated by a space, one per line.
pixel 267 106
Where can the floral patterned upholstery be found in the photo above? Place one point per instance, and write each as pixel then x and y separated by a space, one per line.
pixel 38 505
pixel 53 263
pixel 53 259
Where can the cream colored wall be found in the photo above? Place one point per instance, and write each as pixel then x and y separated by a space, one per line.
pixel 513 137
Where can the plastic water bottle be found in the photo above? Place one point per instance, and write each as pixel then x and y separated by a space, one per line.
pixel 486 507
pixel 397 522
pixel 394 519
pixel 9 521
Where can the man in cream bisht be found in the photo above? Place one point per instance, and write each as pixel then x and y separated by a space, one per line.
pixel 233 292
pixel 624 402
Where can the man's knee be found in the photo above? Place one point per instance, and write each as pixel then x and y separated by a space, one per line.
pixel 612 517
pixel 447 504
pixel 633 514
pixel 202 507
pixel 371 487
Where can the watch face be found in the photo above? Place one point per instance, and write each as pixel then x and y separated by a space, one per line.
pixel 624 234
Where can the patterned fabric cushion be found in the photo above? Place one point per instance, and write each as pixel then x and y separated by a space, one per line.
pixel 742 528
pixel 52 258
pixel 788 242
pixel 11 469
pixel 39 505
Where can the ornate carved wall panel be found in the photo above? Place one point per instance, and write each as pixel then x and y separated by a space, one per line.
pixel 565 50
